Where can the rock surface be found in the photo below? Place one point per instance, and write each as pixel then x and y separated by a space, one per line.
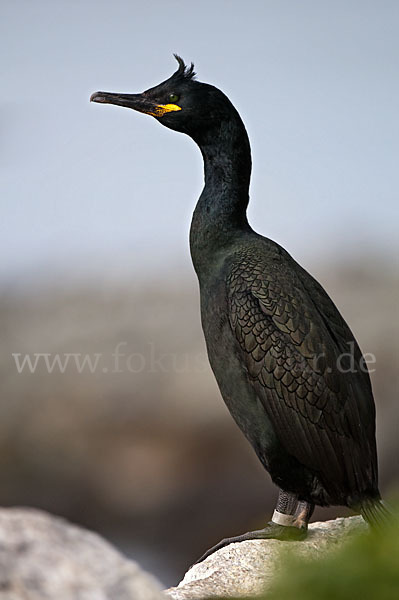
pixel 44 557
pixel 248 568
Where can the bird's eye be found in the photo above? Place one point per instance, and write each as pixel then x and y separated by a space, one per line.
pixel 173 98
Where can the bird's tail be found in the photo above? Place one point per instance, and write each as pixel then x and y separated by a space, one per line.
pixel 376 513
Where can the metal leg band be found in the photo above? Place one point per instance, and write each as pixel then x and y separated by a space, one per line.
pixel 282 519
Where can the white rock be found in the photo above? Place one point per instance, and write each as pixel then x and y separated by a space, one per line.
pixel 247 568
pixel 44 557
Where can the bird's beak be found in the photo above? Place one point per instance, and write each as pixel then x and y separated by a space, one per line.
pixel 135 101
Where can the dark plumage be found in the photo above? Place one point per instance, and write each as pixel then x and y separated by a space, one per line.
pixel 287 364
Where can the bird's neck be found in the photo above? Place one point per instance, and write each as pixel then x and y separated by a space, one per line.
pixel 220 215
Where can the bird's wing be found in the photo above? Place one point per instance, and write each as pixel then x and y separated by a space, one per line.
pixel 292 346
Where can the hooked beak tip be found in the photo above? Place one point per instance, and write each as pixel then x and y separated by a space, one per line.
pixel 97 97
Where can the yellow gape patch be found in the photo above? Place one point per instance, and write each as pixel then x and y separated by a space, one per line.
pixel 161 109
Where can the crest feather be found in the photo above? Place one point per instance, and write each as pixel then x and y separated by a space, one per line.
pixel 184 72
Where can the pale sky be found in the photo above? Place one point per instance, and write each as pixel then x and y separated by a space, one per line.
pixel 86 187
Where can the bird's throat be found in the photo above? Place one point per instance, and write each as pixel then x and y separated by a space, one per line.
pixel 220 214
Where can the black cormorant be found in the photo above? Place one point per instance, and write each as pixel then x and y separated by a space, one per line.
pixel 287 364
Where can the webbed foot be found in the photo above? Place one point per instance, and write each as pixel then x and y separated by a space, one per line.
pixel 271 531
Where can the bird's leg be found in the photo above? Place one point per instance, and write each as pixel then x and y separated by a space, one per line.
pixel 289 522
pixel 291 512
pixel 284 512
pixel 303 512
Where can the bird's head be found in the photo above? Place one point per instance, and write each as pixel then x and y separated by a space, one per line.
pixel 181 102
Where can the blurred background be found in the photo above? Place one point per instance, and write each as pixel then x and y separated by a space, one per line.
pixel 109 413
